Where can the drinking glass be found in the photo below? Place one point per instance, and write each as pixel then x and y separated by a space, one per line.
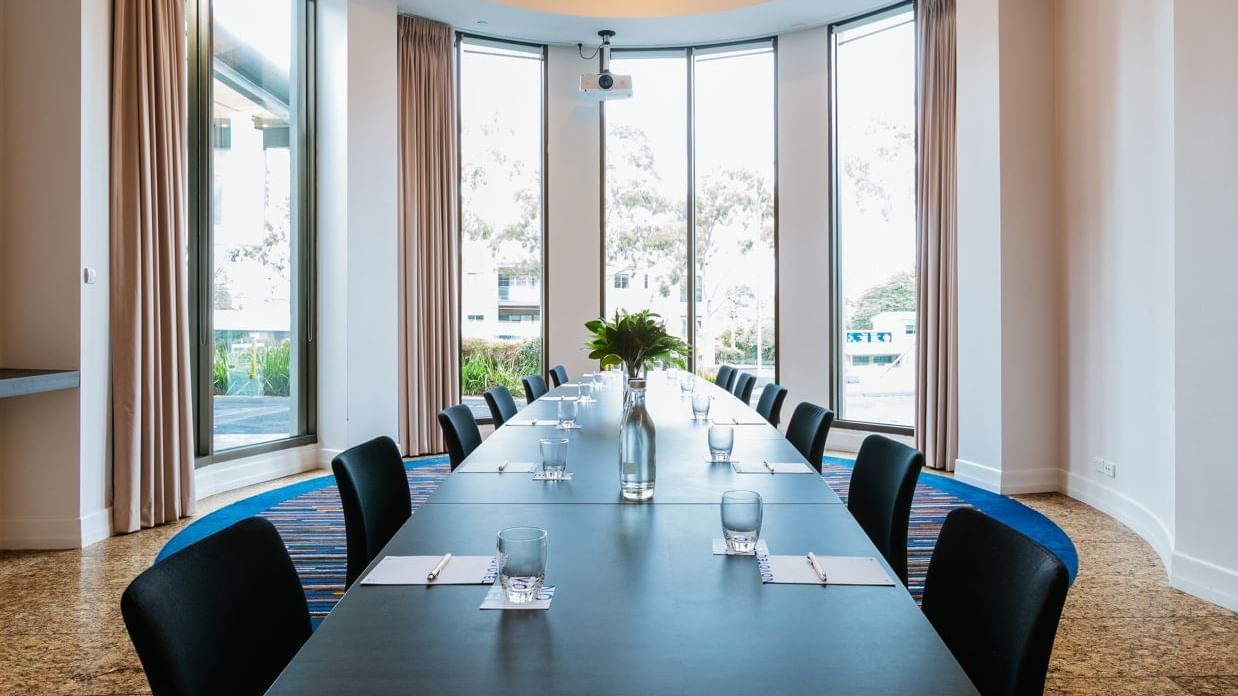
pixel 686 383
pixel 585 389
pixel 522 562
pixel 700 405
pixel 721 440
pixel 741 520
pixel 599 380
pixel 554 456
pixel 567 412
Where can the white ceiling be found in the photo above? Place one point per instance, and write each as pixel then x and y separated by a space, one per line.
pixel 637 22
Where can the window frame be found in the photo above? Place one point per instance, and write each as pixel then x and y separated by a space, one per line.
pixel 458 39
pixel 837 381
pixel 200 132
pixel 690 275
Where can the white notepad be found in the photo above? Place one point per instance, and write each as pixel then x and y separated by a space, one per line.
pixel 535 421
pixel 412 570
pixel 732 420
pixel 778 468
pixel 493 468
pixel 839 570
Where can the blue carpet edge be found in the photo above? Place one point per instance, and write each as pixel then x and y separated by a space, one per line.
pixel 1008 510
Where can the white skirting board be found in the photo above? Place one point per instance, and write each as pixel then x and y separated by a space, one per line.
pixel 66 533
pixel 238 473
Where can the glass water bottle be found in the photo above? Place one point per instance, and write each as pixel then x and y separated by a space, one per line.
pixel 637 469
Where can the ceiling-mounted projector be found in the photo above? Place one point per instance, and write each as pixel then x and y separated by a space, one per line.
pixel 604 84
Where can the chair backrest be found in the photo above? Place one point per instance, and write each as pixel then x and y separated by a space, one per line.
pixel 502 405
pixel 809 426
pixel 879 497
pixel 726 377
pixel 558 375
pixel 459 432
pixel 743 386
pixel 534 387
pixel 224 615
pixel 770 403
pixel 374 492
pixel 995 596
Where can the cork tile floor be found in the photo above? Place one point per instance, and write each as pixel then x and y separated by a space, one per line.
pixel 1123 631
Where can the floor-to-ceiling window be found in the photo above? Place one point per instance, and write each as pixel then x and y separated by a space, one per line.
pixel 733 185
pixel 875 218
pixel 645 211
pixel 501 202
pixel 689 182
pixel 250 203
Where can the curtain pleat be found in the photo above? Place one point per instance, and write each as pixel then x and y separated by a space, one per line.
pixel 152 422
pixel 936 228
pixel 428 231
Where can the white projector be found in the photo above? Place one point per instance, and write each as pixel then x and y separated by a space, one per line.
pixel 606 85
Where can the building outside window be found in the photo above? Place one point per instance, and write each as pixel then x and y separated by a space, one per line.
pixel 875 228
pixel 501 147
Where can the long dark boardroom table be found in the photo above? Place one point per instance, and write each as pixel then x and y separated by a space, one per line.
pixel 641 606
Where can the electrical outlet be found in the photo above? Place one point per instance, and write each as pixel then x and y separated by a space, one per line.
pixel 1111 469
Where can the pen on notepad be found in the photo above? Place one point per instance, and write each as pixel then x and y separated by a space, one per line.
pixel 438 568
pixel 502 466
pixel 768 466
pixel 817 567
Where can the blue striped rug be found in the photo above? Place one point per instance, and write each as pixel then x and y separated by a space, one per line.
pixel 310 520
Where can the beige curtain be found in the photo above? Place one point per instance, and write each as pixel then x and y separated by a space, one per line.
pixel 152 425
pixel 937 408
pixel 429 257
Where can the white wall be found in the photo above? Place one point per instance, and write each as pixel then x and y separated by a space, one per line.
pixel 804 218
pixel 54 217
pixel 1205 168
pixel 1115 148
pixel 574 210
pixel 1009 423
pixel 357 253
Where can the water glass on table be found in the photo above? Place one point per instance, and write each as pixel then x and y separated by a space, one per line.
pixel 522 562
pixel 700 405
pixel 554 456
pixel 585 390
pixel 567 412
pixel 721 441
pixel 599 380
pixel 686 383
pixel 741 520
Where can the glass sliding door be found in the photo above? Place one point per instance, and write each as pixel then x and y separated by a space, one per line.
pixel 250 203
pixel 501 184
pixel 734 140
pixel 645 210
pixel 875 226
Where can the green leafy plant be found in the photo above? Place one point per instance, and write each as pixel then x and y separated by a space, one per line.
pixel 486 364
pixel 634 340
pixel 273 365
pixel 219 370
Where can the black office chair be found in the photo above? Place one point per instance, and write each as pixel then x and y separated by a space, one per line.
pixel 459 432
pixel 558 375
pixel 743 386
pixel 534 388
pixel 224 615
pixel 770 403
pixel 879 496
pixel 995 596
pixel 809 426
pixel 725 377
pixel 374 492
pixel 501 404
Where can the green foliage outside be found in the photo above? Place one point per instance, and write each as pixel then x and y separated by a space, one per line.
pixel 219 370
pixel 897 294
pixel 273 366
pixel 487 364
pixel 741 346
